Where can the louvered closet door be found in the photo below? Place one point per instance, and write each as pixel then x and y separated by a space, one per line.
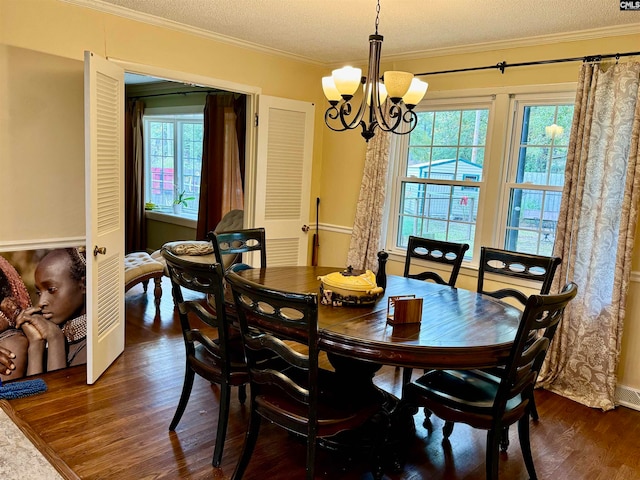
pixel 104 162
pixel 283 177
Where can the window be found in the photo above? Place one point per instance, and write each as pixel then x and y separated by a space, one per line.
pixel 440 174
pixel 173 162
pixel 468 174
pixel 536 174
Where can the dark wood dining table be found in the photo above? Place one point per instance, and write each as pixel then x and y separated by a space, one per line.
pixel 459 328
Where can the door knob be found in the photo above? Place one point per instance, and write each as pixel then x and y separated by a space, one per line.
pixel 305 228
pixel 101 250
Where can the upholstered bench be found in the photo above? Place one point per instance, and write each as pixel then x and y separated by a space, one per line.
pixel 139 267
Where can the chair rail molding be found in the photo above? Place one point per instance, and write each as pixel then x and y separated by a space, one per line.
pixel 42 243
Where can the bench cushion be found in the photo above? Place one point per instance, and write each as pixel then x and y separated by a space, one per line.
pixel 138 265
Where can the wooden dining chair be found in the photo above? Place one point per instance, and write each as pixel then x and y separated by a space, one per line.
pixel 297 395
pixel 492 403
pixel 447 254
pixel 512 265
pixel 237 242
pixel 219 360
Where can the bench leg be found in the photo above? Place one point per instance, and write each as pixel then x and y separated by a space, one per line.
pixel 157 291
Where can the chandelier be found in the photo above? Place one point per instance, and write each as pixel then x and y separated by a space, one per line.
pixel 387 102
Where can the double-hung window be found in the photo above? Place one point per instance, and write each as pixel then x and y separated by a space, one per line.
pixel 173 162
pixel 538 155
pixel 440 173
pixel 485 170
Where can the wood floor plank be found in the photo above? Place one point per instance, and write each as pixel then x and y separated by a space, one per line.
pixel 118 428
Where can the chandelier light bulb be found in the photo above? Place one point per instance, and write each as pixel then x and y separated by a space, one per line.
pixel 553 130
pixel 330 90
pixel 347 79
pixel 416 92
pixel 397 84
pixel 382 93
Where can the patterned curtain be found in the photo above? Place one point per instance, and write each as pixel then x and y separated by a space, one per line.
pixel 135 226
pixel 595 233
pixel 367 225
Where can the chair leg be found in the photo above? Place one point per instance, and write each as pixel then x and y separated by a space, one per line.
pixel 504 439
pixel 525 446
pixel 492 455
pixel 223 419
pixel 184 397
pixel 249 444
pixel 311 457
pixel 406 375
pixel 447 429
pixel 533 409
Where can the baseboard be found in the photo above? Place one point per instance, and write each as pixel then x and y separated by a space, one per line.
pixel 628 397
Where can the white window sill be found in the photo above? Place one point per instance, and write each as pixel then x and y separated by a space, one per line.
pixel 169 217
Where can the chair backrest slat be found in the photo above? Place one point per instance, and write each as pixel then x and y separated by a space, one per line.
pixel 238 242
pixel 437 251
pixel 538 268
pixel 284 324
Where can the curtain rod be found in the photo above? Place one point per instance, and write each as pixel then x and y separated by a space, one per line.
pixel 503 65
pixel 176 93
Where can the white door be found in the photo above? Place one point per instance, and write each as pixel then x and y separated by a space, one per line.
pixel 104 191
pixel 283 177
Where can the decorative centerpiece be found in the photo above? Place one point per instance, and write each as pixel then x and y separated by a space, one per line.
pixel 349 287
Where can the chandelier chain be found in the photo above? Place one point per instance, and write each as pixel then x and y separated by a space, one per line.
pixel 377 16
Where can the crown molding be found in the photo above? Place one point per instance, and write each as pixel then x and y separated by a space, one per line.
pixel 180 27
pixel 616 31
pixel 620 30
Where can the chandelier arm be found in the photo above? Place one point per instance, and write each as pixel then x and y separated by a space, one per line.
pixel 395 115
pixel 345 112
pixel 332 113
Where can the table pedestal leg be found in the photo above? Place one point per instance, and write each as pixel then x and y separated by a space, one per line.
pixel 393 423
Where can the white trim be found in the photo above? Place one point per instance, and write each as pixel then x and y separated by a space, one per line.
pixel 328 227
pixel 38 244
pixel 185 77
pixel 180 27
pixel 552 39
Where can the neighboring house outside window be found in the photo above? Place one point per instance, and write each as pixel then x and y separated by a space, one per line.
pixel 173 162
pixel 483 170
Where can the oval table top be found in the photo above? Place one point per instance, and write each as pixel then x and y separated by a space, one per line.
pixel 459 328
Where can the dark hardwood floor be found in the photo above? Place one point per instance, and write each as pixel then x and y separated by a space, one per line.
pixel 118 428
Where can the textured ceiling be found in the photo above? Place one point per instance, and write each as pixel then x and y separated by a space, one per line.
pixel 334 31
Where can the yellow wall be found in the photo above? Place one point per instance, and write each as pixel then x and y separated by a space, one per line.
pixel 66 30
pixel 41 146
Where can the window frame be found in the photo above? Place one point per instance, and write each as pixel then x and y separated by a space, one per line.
pixel 517 104
pixel 165 213
pixel 493 196
pixel 399 156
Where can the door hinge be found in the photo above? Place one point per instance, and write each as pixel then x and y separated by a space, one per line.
pixel 256 121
